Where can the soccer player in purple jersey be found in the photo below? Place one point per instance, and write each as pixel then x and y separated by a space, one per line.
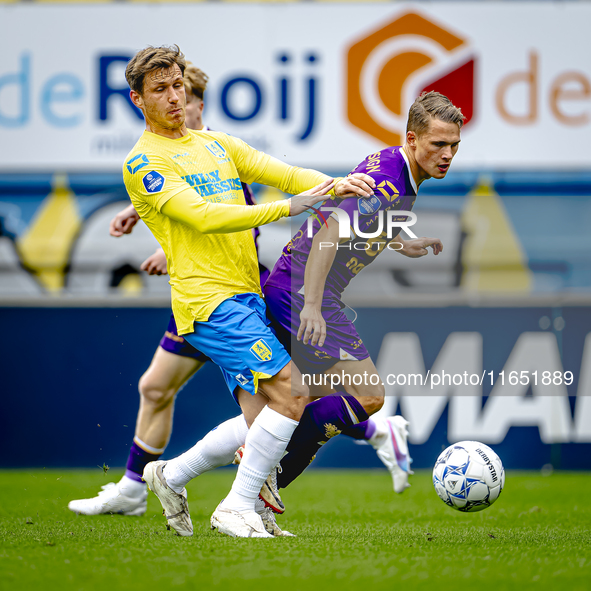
pixel 303 292
pixel 174 363
pixel 303 296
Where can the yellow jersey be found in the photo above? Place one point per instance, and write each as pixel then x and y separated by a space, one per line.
pixel 204 232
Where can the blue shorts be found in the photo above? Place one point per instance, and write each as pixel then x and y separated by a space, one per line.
pixel 173 343
pixel 238 338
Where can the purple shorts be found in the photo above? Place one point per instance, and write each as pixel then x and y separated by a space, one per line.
pixel 342 341
pixel 172 343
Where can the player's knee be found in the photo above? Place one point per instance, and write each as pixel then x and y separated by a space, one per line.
pixel 379 392
pixel 298 389
pixel 154 394
pixel 290 395
pixel 372 401
pixel 290 383
pixel 373 404
pixel 294 407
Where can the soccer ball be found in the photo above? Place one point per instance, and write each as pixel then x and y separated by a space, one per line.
pixel 468 476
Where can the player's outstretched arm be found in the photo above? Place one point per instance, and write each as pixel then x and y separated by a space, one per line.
pixel 124 222
pixel 257 167
pixel 191 209
pixel 318 265
pixel 304 201
pixel 355 185
pixel 417 247
pixel 155 264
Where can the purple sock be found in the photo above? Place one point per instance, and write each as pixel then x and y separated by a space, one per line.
pixel 137 460
pixel 363 430
pixel 322 419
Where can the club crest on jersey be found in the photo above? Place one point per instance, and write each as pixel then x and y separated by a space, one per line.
pixel 140 161
pixel 261 350
pixel 153 182
pixel 368 206
pixel 216 149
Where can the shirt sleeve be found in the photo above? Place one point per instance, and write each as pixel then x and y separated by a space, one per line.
pixel 160 187
pixel 154 184
pixel 257 167
pixel 217 218
pixel 386 196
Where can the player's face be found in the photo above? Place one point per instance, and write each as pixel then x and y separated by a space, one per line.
pixel 194 111
pixel 434 149
pixel 163 99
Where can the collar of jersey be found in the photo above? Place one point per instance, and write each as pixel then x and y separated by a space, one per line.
pixel 179 140
pixel 412 180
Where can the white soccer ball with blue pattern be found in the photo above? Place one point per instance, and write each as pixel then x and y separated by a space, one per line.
pixel 468 476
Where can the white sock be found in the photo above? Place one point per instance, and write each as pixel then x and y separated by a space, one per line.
pixel 216 449
pixel 265 445
pixel 379 435
pixel 131 488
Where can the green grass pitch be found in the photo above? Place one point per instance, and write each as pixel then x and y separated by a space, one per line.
pixel 353 533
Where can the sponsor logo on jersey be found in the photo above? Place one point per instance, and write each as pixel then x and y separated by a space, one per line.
pixel 241 379
pixel 210 183
pixel 368 206
pixel 388 190
pixel 140 161
pixel 261 350
pixel 153 181
pixel 216 149
pixel 373 162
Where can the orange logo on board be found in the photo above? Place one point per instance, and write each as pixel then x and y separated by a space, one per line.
pixel 391 66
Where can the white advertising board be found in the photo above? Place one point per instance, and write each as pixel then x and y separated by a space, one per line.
pixel 317 85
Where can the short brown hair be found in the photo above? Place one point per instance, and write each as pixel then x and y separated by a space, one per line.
pixel 149 59
pixel 195 80
pixel 432 105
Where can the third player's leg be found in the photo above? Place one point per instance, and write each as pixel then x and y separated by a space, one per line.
pixel 158 387
pixel 361 380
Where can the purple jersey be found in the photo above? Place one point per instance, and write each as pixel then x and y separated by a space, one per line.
pixel 249 198
pixel 395 190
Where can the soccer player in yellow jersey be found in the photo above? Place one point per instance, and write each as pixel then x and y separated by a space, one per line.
pixel 174 363
pixel 186 187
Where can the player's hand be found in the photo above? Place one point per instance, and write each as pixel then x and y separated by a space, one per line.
pixel 418 247
pixel 124 222
pixel 312 324
pixel 155 264
pixel 357 184
pixel 300 203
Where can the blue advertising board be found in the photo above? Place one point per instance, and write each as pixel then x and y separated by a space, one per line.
pixel 70 397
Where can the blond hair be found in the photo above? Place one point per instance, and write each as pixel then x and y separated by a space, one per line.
pixel 150 59
pixel 195 80
pixel 432 105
